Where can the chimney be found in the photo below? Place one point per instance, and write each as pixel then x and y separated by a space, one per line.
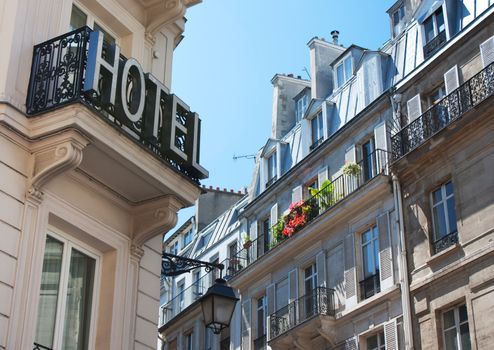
pixel 335 35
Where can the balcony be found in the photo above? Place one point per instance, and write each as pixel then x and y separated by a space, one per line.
pixel 63 72
pixel 435 44
pixel 260 343
pixel 370 286
pixel 301 214
pixel 445 242
pixel 446 111
pixel 302 317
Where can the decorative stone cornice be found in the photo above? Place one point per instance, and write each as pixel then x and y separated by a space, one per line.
pixel 53 156
pixel 154 218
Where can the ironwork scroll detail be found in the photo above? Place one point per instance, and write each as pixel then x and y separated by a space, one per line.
pixel 174 265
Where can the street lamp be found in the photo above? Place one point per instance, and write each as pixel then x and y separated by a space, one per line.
pixel 219 301
pixel 218 305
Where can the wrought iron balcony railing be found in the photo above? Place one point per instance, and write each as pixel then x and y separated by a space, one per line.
pixel 370 286
pixel 260 343
pixel 445 242
pixel 61 66
pixel 319 302
pixel 435 44
pixel 37 346
pixel 327 197
pixel 271 181
pixel 446 111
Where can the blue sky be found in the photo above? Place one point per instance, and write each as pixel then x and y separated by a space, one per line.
pixel 232 48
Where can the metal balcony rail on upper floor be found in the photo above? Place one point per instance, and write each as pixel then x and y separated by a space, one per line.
pixel 446 111
pixel 58 72
pixel 435 44
pixel 445 242
pixel 370 286
pixel 320 301
pixel 304 212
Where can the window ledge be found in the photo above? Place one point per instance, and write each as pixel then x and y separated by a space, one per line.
pixel 443 254
pixel 387 294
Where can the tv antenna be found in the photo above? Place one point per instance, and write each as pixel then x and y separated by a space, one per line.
pixel 246 156
pixel 306 71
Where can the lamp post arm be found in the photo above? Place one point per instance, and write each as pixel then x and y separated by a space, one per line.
pixel 174 265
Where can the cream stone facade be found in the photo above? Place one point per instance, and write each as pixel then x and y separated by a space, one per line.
pixel 84 203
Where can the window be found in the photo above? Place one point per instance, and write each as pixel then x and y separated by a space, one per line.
pixel 344 71
pixel 196 278
pixel 310 186
pixel 66 295
pixel 214 272
pixel 265 228
pixel 79 18
pixel 189 341
pixel 368 160
pixel 434 25
pixel 456 334
pixel 370 263
pixel 234 262
pixel 376 342
pixel 397 18
pixel 310 283
pixel 301 106
pixel 437 95
pixel 317 130
pixel 444 217
pixel 174 248
pixel 187 238
pixel 181 295
pixel 272 169
pixel 261 316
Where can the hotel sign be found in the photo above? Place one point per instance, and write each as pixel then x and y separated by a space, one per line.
pixel 80 67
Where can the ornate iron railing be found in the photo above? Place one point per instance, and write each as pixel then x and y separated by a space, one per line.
pixel 445 242
pixel 435 44
pixel 37 346
pixel 370 286
pixel 271 181
pixel 58 73
pixel 260 343
pixel 466 97
pixel 327 197
pixel 319 302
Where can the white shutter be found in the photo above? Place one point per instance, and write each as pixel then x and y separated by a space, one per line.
pixel 281 294
pixel 321 269
pixel 322 176
pixel 381 143
pixel 292 285
pixel 246 321
pixel 385 252
pixel 253 237
pixel 297 194
pixel 391 335
pixel 351 182
pixel 487 51
pixel 274 215
pixel 414 108
pixel 271 306
pixel 350 154
pixel 451 80
pixel 350 272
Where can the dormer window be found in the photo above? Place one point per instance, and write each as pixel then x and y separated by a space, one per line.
pixel 187 238
pixel 397 20
pixel 434 32
pixel 317 130
pixel 272 169
pixel 343 71
pixel 301 106
pixel 174 248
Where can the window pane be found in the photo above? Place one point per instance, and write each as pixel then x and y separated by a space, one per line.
pixel 320 125
pixel 436 196
pixel 79 300
pixel 463 313
pixel 50 283
pixel 106 37
pixel 465 337
pixel 314 127
pixel 450 339
pixel 368 260
pixel 77 18
pixel 372 343
pixel 451 215
pixel 376 256
pixel 340 75
pixel 449 319
pixel 348 68
pixel 439 21
pixel 449 188
pixel 439 221
pixel 429 29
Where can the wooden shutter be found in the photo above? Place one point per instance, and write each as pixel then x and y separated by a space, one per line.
pixel 385 252
pixel 487 51
pixel 414 108
pixel 391 335
pixel 321 269
pixel 274 215
pixel 350 275
pixel 322 176
pixel 297 194
pixel 381 146
pixel 292 285
pixel 246 324
pixel 451 80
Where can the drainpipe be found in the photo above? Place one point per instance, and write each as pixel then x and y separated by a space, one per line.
pixel 405 287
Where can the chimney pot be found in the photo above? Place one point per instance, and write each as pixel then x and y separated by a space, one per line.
pixel 335 34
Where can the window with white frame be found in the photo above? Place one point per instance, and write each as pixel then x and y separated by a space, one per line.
pixel 370 263
pixel 272 169
pixel 317 130
pixel 443 215
pixel 197 282
pixel 261 316
pixel 310 283
pixel 67 294
pixel 187 238
pixel 434 25
pixel 344 71
pixel 376 342
pixel 301 107
pixel 456 333
pixel 181 295
pixel 80 18
pixel 397 20
pixel 174 248
pixel 189 341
